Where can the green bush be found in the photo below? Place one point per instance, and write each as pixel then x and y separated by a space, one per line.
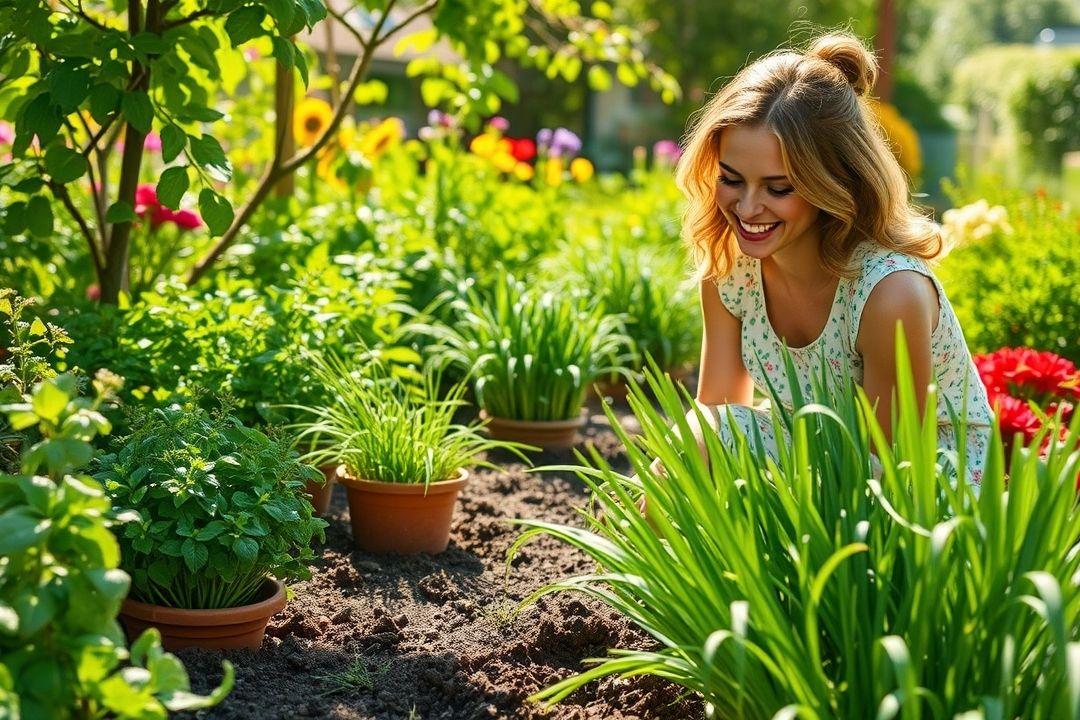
pixel 220 508
pixel 806 586
pixel 1032 100
pixel 238 339
pixel 62 654
pixel 1019 288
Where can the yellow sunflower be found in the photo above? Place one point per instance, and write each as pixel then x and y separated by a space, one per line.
pixel 311 117
pixel 382 137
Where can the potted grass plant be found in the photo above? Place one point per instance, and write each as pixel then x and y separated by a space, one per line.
pixel 533 356
pixel 223 523
pixel 402 458
pixel 806 586
pixel 647 287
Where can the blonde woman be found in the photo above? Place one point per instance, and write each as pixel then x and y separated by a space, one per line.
pixel 800 220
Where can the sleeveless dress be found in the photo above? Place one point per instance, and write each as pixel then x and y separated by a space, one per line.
pixel 952 365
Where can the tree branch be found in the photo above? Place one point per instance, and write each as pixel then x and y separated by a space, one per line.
pixel 60 193
pixel 187 19
pixel 422 10
pixel 277 169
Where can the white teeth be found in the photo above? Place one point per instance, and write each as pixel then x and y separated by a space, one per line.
pixel 756 229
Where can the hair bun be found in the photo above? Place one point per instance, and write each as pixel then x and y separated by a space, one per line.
pixel 851 57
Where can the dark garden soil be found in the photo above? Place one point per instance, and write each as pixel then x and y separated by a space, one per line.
pixel 434 637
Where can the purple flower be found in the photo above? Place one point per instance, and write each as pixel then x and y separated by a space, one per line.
pixel 543 138
pixel 437 118
pixel 564 142
pixel 499 123
pixel 667 151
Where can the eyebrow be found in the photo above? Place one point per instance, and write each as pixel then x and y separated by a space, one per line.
pixel 736 172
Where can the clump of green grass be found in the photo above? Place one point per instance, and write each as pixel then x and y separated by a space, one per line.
pixel 389 424
pixel 362 674
pixel 806 587
pixel 532 354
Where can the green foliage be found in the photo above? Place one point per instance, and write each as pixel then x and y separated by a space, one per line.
pixel 533 354
pixel 239 340
pixel 219 508
pixel 388 425
pixel 1032 100
pixel 62 654
pixel 1017 289
pixel 649 287
pixel 806 586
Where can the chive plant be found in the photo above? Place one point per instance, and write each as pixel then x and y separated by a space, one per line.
pixel 646 286
pixel 533 354
pixel 804 587
pixel 389 425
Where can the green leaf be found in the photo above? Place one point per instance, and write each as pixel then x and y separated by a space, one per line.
pixel 138 110
pixel 68 87
pixel 40 117
pixel 246 549
pixel 245 24
pixel 110 582
pixel 119 212
pixel 172 186
pixel 173 140
pixel 208 152
pixel 314 11
pixel 103 101
pixel 301 66
pixel 149 43
pixel 371 92
pixel 22 528
pixel 216 211
pixel 39 216
pixel 281 11
pixel 599 78
pixel 37 328
pixel 282 51
pixel 194 554
pixel 626 75
pixel 64 164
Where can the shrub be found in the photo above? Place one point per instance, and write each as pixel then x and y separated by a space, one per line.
pixel 804 587
pixel 533 354
pixel 1018 288
pixel 220 508
pixel 386 427
pixel 62 654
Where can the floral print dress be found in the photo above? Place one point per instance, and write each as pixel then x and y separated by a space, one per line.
pixel 953 368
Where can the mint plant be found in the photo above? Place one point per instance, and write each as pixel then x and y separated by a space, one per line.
pixel 219 506
pixel 62 654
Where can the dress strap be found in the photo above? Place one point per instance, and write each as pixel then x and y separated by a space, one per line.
pixel 735 288
pixel 878 263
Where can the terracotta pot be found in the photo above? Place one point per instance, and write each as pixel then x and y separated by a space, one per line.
pixel 614 389
pixel 402 518
pixel 225 629
pixel 320 493
pixel 548 434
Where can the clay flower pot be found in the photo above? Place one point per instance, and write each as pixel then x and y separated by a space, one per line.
pixel 401 518
pixel 548 434
pixel 320 493
pixel 225 629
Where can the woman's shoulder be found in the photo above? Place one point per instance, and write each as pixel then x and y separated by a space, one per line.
pixel 737 286
pixel 874 262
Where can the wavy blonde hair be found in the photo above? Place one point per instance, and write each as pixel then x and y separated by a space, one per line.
pixel 834 151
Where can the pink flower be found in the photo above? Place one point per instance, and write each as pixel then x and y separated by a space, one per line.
pixel 152 142
pixel 499 123
pixel 145 199
pixel 7 132
pixel 93 292
pixel 187 219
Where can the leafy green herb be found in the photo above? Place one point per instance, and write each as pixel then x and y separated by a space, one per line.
pixel 62 654
pixel 221 507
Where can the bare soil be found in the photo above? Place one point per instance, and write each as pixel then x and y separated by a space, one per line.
pixel 435 637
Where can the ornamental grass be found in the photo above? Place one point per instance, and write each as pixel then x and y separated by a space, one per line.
pixel 807 588
pixel 532 354
pixel 388 424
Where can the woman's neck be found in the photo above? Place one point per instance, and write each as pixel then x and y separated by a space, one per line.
pixel 798 266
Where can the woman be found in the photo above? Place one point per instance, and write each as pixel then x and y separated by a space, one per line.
pixel 800 220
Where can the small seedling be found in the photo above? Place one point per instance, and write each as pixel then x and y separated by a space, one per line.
pixel 361 675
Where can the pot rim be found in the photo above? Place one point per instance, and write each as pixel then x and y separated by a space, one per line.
pixel 414 488
pixel 204 617
pixel 577 422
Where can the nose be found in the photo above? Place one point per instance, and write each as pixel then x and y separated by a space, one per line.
pixel 747 206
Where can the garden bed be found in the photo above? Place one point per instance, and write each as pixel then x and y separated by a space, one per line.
pixel 434 636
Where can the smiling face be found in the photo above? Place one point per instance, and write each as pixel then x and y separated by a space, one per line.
pixel 753 186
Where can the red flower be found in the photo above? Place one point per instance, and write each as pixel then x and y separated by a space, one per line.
pixel 523 149
pixel 145 199
pixel 1029 374
pixel 93 292
pixel 146 204
pixel 187 219
pixel 1014 416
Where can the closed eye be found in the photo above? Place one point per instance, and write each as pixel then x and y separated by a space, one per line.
pixel 733 183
